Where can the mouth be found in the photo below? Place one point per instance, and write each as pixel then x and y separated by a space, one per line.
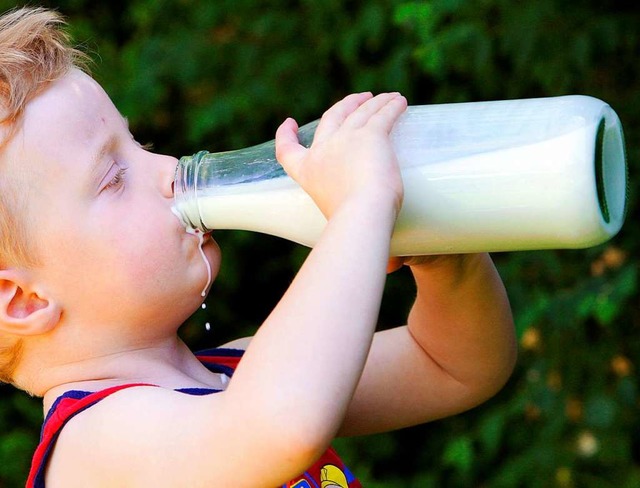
pixel 203 236
pixel 178 215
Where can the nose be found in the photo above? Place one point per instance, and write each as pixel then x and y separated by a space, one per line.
pixel 166 175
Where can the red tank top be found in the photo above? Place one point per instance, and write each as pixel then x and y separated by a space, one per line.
pixel 328 472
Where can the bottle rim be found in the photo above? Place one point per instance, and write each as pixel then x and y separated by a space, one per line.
pixel 186 190
pixel 611 171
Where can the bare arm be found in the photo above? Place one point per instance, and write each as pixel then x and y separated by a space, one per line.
pixel 457 350
pixel 304 363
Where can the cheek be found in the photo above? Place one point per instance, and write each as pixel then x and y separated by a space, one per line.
pixel 155 256
pixel 140 257
pixel 117 254
pixel 137 274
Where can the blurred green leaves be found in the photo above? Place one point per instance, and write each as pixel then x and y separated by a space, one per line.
pixel 20 418
pixel 192 74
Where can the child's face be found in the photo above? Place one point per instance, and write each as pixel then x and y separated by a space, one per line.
pixel 100 205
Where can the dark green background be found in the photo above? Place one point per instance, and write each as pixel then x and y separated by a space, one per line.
pixel 218 75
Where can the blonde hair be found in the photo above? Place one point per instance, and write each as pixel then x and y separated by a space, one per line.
pixel 35 50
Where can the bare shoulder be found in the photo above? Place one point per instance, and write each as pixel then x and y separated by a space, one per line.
pixel 151 436
pixel 127 438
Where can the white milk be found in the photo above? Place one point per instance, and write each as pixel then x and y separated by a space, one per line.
pixel 527 197
pixel 503 188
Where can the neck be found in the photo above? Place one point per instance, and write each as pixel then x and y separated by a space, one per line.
pixel 168 363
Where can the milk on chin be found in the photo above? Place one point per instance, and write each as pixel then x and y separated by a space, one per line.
pixel 534 196
pixel 200 236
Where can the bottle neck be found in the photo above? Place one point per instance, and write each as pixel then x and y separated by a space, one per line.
pixel 186 191
pixel 208 173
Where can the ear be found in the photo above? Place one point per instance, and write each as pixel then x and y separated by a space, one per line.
pixel 24 308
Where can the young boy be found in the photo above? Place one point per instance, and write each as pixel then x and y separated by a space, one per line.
pixel 97 275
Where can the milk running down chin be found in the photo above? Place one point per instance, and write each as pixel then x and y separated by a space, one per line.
pixel 198 233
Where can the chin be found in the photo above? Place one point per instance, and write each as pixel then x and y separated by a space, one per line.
pixel 210 245
pixel 214 256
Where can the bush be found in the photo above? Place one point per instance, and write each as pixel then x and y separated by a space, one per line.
pixel 192 75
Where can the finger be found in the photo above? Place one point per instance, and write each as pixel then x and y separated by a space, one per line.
pixel 388 115
pixel 289 152
pixel 394 264
pixel 384 109
pixel 335 116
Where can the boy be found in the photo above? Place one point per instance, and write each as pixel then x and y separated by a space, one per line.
pixel 97 275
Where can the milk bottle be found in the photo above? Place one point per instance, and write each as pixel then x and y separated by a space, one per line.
pixel 484 176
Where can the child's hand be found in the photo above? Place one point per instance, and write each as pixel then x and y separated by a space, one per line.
pixel 351 155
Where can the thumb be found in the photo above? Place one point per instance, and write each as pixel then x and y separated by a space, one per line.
pixel 289 152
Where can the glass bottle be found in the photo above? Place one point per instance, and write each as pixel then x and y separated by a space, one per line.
pixel 491 176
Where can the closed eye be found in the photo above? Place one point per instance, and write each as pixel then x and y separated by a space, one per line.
pixel 117 180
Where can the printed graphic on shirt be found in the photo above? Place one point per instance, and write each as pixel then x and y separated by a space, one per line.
pixel 331 476
pixel 301 484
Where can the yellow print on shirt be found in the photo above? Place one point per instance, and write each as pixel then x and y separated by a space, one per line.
pixel 332 477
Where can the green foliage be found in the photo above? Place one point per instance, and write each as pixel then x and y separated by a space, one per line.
pixel 20 418
pixel 191 74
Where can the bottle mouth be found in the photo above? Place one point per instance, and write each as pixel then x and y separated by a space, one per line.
pixel 186 191
pixel 611 173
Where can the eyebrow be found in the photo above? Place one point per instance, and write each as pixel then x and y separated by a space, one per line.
pixel 97 171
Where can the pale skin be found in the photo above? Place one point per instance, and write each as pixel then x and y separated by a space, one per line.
pixel 315 369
